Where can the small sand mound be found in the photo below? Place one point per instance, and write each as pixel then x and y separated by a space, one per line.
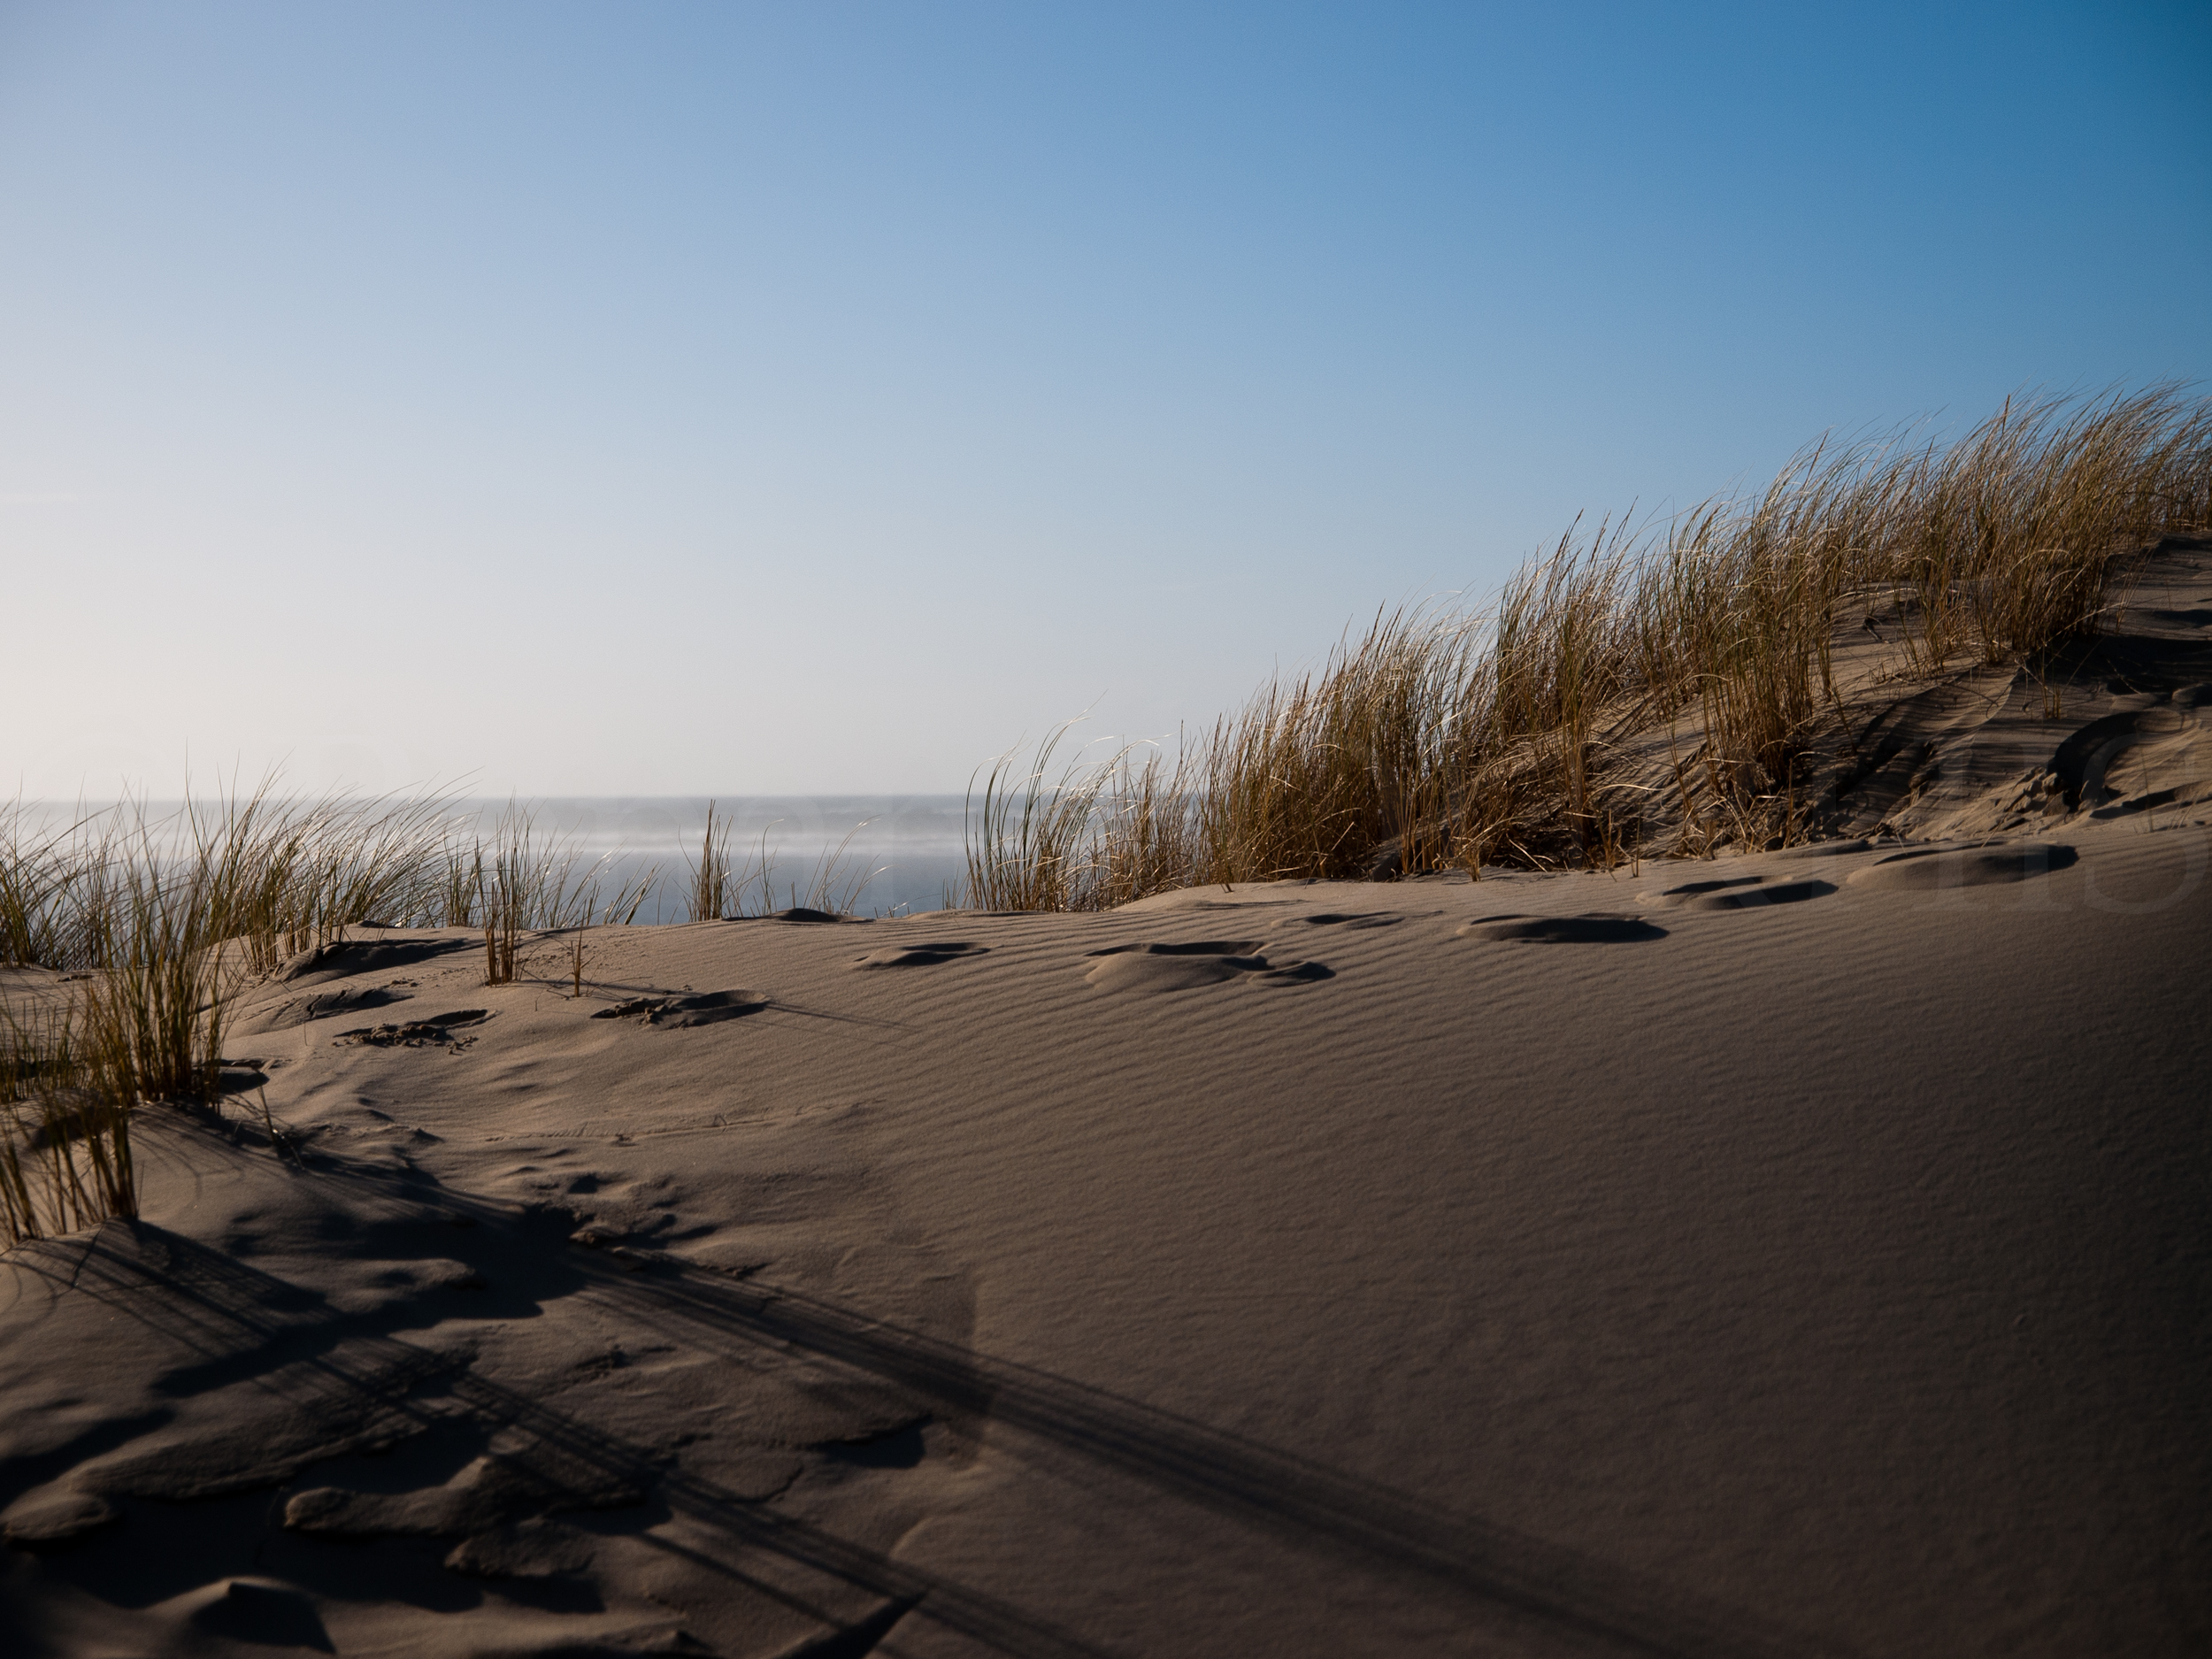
pixel 54 1519
pixel 343 960
pixel 1757 897
pixel 1140 971
pixel 1182 966
pixel 928 954
pixel 1934 868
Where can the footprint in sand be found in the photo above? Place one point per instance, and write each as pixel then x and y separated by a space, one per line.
pixel 2084 760
pixel 340 961
pixel 490 1492
pixel 538 1548
pixel 1931 869
pixel 708 1008
pixel 1180 967
pixel 1690 890
pixel 705 1008
pixel 1742 893
pixel 1294 973
pixel 1562 930
pixel 414 1033
pixel 1821 849
pixel 322 1005
pixel 1349 920
pixel 928 954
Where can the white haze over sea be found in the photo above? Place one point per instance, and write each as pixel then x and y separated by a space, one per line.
pixel 909 847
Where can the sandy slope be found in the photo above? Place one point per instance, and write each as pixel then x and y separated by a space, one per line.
pixel 1696 1276
pixel 2109 725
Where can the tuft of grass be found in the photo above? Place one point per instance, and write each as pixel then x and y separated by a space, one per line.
pixel 711 890
pixel 719 889
pixel 65 1128
pixel 161 921
pixel 43 874
pixel 580 910
pixel 456 884
pixel 1439 739
pixel 532 884
pixel 838 880
pixel 1031 844
pixel 510 890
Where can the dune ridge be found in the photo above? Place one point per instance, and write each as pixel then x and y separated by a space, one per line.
pixel 1811 1276
pixel 1741 1232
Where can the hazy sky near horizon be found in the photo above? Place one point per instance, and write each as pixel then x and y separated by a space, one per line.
pixel 676 399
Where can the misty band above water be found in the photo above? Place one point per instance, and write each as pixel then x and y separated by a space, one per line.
pixel 909 847
pixel 895 854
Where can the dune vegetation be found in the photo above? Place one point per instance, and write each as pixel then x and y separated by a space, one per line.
pixel 152 922
pixel 1438 739
pixel 1441 739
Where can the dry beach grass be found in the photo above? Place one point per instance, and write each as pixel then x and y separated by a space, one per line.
pixel 1761 1217
pixel 1767 1256
pixel 157 922
pixel 1439 739
pixel 1436 741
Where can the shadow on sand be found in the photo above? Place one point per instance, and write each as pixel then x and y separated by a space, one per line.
pixel 223 1310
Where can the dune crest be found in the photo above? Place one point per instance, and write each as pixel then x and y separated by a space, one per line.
pixel 1786 1252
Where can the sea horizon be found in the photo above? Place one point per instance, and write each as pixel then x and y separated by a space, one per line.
pixel 911 848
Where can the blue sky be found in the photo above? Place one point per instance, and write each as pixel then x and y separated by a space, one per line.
pixel 682 398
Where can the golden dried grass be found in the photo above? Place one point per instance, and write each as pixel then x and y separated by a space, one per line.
pixel 161 920
pixel 1440 739
pixel 64 1126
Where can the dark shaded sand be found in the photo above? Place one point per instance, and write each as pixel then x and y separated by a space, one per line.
pixel 1562 930
pixel 1820 1265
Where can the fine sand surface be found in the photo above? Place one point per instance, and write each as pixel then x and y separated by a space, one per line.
pixel 1787 1254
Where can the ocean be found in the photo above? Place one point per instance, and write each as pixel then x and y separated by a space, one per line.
pixel 880 855
pixel 895 852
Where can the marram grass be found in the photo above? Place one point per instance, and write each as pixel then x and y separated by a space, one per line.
pixel 159 922
pixel 1441 738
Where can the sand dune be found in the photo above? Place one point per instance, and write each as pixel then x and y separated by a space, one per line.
pixel 1780 1254
pixel 2110 727
pixel 1784 1253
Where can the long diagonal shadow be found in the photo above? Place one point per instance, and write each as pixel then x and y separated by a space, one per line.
pixel 1258 1483
pixel 209 1302
pixel 212 1303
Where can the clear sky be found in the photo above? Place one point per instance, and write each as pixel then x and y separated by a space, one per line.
pixel 661 399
